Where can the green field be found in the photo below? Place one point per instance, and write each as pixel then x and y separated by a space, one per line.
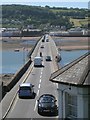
pixel 79 22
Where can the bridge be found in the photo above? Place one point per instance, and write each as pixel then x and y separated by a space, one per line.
pixel 11 105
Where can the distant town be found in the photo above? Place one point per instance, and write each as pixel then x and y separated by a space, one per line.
pixel 23 20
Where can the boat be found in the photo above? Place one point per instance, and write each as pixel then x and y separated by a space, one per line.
pixel 16 50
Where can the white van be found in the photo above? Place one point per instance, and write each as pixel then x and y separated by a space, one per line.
pixel 37 61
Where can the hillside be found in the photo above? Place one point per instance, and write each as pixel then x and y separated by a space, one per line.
pixel 42 17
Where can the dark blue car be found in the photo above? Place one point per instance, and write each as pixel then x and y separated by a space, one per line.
pixel 47 105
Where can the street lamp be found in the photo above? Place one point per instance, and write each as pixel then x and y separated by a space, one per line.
pixel 23 55
pixel 62 91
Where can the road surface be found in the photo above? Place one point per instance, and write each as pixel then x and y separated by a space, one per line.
pixel 39 77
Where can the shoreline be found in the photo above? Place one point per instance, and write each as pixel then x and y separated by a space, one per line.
pixel 71 48
pixel 16 43
pixel 72 43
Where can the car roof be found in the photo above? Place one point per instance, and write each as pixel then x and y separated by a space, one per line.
pixel 37 57
pixel 48 56
pixel 26 85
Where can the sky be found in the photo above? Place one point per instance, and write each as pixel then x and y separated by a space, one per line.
pixel 52 3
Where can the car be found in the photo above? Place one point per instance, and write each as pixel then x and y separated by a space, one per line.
pixel 47 105
pixel 43 40
pixel 26 90
pixel 48 58
pixel 47 40
pixel 42 46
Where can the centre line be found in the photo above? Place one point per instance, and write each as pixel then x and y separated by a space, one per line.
pixel 39 86
pixel 40 81
pixel 40 76
pixel 41 72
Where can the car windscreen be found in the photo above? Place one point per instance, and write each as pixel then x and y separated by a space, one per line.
pixel 25 88
pixel 48 57
pixel 47 99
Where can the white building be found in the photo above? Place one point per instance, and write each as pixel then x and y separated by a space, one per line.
pixel 74 88
pixel 9 32
pixel 75 31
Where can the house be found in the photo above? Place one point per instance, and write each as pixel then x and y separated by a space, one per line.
pixel 75 31
pixel 32 32
pixel 10 32
pixel 74 88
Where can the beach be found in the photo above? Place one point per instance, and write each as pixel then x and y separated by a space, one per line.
pixel 72 43
pixel 15 43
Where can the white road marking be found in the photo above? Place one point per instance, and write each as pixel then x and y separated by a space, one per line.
pixel 37 92
pixel 40 81
pixel 41 72
pixel 40 76
pixel 35 105
pixel 39 86
pixel 15 102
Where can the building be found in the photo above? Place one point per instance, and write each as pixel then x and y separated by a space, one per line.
pixel 10 32
pixel 31 32
pixel 75 31
pixel 74 88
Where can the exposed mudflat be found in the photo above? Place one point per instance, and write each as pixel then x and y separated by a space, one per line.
pixel 72 43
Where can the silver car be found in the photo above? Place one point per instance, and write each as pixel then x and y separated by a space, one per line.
pixel 26 90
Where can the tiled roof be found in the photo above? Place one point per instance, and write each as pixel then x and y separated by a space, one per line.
pixel 76 73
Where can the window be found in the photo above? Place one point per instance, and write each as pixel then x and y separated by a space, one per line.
pixel 70 106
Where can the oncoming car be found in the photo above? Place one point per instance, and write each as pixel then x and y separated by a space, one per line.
pixel 42 46
pixel 26 90
pixel 48 58
pixel 47 40
pixel 47 105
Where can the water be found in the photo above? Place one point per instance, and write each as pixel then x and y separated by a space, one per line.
pixel 69 56
pixel 12 61
pixel 29 42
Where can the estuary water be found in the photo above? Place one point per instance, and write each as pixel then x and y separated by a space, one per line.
pixel 69 56
pixel 12 61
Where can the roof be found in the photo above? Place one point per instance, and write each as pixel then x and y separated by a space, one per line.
pixel 76 73
pixel 37 57
pixel 25 84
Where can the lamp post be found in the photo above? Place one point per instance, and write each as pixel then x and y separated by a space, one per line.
pixel 23 55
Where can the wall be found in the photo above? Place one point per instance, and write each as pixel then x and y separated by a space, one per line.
pixel 17 76
pixel 83 102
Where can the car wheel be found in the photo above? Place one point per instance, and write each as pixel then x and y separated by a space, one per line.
pixel 39 111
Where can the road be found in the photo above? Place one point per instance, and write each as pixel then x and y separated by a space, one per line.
pixel 39 76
